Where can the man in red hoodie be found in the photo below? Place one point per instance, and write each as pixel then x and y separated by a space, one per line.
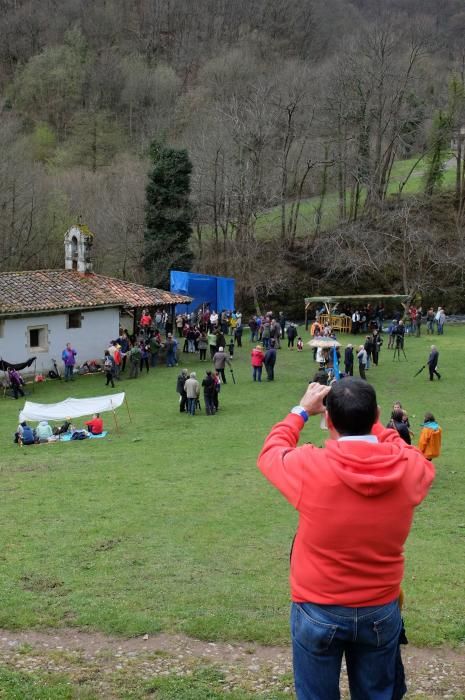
pixel 355 499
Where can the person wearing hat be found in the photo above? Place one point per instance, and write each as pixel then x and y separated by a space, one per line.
pixel 349 360
pixel 192 388
pixel 258 358
pixel 220 359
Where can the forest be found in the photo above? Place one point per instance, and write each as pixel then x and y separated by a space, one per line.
pixel 326 139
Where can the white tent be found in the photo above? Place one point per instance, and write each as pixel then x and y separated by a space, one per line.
pixel 70 408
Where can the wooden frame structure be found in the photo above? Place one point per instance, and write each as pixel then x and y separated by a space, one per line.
pixel 343 323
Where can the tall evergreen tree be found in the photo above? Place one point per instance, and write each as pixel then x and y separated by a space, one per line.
pixel 167 215
pixel 439 144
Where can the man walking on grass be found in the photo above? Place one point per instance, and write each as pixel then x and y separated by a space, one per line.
pixel 355 498
pixel 432 363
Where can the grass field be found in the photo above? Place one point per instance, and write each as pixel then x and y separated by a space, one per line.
pixel 170 526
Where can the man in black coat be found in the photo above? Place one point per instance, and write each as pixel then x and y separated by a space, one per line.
pixel 291 335
pixel 349 361
pixel 270 361
pixel 209 390
pixel 181 391
pixel 433 363
pixel 238 335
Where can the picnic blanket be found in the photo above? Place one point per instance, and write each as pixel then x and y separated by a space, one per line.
pixel 67 437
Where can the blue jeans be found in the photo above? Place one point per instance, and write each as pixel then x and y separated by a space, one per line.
pixel 191 406
pixel 369 638
pixel 170 359
pixel 69 372
pixel 257 374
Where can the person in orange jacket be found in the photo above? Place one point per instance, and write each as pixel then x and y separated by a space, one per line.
pixel 430 437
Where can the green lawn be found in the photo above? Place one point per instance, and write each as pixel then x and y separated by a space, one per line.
pixel 170 526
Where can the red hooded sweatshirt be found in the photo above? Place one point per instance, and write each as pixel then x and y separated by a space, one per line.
pixel 355 501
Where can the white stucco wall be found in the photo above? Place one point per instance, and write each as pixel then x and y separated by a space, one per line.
pixel 98 328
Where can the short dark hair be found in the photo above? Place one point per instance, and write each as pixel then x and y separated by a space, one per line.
pixel 352 406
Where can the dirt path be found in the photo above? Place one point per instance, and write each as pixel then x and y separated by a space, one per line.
pixel 96 659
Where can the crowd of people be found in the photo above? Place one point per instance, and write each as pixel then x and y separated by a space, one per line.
pixel 213 338
pixel 44 432
pixel 365 318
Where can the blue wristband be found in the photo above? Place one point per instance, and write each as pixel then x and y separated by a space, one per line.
pixel 300 411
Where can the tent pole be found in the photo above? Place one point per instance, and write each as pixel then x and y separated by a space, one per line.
pixel 116 421
pixel 127 406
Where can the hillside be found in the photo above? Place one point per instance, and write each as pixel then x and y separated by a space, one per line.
pixel 323 104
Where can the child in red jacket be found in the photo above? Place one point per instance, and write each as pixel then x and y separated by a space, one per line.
pixel 258 357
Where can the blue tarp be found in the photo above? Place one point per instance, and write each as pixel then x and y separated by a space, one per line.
pixel 216 292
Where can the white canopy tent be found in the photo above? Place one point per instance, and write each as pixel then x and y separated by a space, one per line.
pixel 72 408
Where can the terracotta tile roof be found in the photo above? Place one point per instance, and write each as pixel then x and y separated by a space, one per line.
pixel 51 290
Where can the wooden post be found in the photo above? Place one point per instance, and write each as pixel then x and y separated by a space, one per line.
pixel 134 325
pixel 115 419
pixel 127 406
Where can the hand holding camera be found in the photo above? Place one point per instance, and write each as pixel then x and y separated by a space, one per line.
pixel 314 398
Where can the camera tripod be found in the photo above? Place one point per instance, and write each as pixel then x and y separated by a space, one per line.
pixel 397 350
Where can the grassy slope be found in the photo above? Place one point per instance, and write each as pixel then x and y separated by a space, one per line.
pixel 171 526
pixel 270 222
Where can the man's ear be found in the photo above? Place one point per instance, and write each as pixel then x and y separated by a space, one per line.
pixel 330 425
pixel 329 422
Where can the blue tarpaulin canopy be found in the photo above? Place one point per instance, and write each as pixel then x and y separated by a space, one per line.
pixel 216 292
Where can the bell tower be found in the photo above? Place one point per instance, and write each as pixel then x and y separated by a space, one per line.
pixel 78 244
